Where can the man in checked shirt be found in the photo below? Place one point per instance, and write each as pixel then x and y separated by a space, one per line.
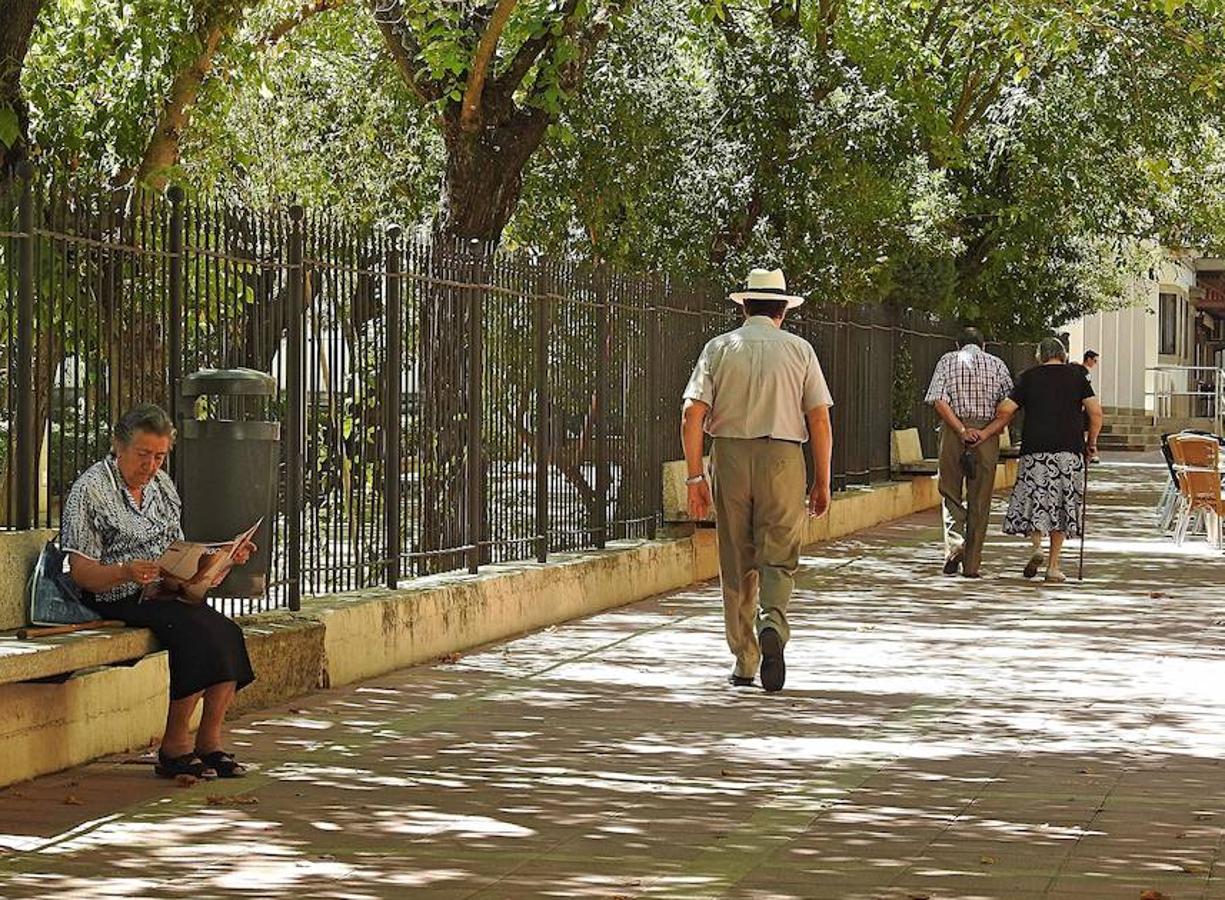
pixel 965 389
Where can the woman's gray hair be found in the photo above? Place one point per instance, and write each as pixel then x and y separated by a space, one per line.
pixel 149 418
pixel 1051 348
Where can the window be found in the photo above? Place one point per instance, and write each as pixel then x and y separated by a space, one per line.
pixel 1168 325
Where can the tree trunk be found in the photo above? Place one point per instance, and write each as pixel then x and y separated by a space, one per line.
pixel 484 177
pixel 217 20
pixel 484 172
pixel 17 21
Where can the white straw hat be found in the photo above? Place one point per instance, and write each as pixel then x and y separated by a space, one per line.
pixel 767 284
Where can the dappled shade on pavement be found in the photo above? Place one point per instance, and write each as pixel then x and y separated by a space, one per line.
pixel 938 738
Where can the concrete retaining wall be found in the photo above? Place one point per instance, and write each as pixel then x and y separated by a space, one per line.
pixel 346 638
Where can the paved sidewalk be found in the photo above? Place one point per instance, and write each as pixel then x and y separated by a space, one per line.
pixel 938 738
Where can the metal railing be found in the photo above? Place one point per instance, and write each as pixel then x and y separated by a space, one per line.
pixel 445 405
pixel 1202 386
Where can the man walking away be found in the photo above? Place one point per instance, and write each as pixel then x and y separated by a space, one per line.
pixel 1089 364
pixel 760 393
pixel 965 389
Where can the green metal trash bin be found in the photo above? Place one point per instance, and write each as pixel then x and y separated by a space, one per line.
pixel 229 453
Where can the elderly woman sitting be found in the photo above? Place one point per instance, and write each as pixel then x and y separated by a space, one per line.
pixel 120 516
pixel 1049 494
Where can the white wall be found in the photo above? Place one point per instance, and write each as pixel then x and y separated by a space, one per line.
pixel 1127 338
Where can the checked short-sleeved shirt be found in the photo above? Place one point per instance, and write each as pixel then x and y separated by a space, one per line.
pixel 100 521
pixel 971 381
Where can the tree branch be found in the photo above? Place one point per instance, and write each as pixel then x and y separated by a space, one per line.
pixel 529 52
pixel 289 23
pixel 571 75
pixel 469 119
pixel 163 149
pixel 403 47
pixel 930 28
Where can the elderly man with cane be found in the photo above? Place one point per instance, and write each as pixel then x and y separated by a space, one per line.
pixel 965 389
pixel 760 393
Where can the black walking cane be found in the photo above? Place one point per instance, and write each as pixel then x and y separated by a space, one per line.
pixel 1084 509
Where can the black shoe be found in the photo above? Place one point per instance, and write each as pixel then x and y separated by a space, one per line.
pixel 773 666
pixel 953 562
pixel 188 764
pixel 739 680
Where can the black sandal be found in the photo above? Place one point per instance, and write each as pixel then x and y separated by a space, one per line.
pixel 224 764
pixel 188 764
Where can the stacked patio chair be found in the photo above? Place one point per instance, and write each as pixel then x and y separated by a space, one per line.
pixel 1197 470
pixel 1167 508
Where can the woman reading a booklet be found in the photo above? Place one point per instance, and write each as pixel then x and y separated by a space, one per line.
pixel 119 518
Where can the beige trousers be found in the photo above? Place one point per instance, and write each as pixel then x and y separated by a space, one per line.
pixel 967 502
pixel 759 513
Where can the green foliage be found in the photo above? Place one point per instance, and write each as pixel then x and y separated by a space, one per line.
pixel 996 162
pixel 905 389
pixel 95 76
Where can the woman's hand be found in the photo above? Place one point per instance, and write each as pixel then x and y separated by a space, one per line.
pixel 243 553
pixel 141 571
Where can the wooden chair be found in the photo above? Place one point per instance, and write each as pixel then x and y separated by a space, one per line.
pixel 1197 464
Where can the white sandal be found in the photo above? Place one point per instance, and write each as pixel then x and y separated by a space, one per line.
pixel 1055 576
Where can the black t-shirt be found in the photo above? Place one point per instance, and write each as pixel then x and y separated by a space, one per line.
pixel 1051 396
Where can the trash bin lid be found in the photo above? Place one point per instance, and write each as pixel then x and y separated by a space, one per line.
pixel 229 383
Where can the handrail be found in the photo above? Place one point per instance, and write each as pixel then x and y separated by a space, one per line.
pixel 1163 392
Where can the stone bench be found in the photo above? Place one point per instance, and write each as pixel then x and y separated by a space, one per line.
pixel 58 656
pixel 906 453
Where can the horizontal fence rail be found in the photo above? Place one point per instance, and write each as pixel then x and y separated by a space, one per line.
pixel 442 405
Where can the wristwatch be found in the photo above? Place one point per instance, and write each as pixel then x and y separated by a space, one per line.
pixel 695 479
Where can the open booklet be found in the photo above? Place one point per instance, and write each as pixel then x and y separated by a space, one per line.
pixel 198 567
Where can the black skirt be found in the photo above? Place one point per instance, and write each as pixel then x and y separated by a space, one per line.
pixel 205 647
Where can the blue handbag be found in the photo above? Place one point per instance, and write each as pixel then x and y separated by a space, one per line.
pixel 54 598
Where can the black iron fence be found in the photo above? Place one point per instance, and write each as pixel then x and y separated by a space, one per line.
pixel 443 406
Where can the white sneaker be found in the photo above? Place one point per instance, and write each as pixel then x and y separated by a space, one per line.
pixel 1054 575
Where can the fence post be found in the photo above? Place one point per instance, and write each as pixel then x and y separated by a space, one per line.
pixel 294 412
pixel 475 398
pixel 654 413
pixel 175 374
pixel 544 416
pixel 25 471
pixel 603 352
pixel 392 454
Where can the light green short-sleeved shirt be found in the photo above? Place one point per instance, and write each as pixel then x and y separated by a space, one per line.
pixel 759 381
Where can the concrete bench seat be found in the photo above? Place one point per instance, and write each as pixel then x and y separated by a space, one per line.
pixel 906 453
pixel 37 659
pixel 41 658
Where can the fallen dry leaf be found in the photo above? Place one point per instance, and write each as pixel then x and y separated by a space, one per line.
pixel 236 800
pixel 448 658
pixel 185 780
pixel 987 860
pixel 73 801
pixel 1153 895
pixel 1157 595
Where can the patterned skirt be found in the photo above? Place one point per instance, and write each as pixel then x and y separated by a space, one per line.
pixel 1048 495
